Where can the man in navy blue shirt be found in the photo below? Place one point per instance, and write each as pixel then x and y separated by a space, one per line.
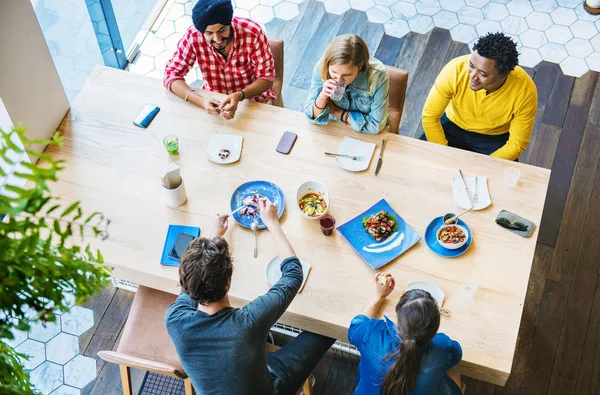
pixel 223 349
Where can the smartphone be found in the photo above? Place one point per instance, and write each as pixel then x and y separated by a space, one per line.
pixel 146 115
pixel 286 143
pixel 181 245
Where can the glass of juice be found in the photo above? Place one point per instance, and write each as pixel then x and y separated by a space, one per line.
pixel 327 225
pixel 171 143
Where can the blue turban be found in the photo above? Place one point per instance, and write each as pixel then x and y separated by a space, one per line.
pixel 211 12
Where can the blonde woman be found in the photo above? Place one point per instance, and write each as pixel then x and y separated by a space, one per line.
pixel 349 86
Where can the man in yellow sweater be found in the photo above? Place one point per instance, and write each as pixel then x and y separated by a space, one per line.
pixel 483 102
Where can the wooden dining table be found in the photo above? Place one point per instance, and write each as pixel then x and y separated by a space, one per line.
pixel 115 167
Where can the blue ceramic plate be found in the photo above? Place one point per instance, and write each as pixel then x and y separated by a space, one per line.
pixel 432 243
pixel 264 188
pixel 375 253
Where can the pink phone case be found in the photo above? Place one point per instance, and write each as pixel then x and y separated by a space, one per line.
pixel 286 143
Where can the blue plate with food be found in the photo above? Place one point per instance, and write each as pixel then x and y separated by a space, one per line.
pixel 248 195
pixel 452 236
pixel 379 235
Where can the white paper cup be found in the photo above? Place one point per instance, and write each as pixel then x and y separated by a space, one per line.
pixel 175 197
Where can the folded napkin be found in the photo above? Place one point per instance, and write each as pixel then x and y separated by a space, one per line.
pixel 460 195
pixel 171 177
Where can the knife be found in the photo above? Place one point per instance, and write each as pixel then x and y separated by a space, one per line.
pixel 466 189
pixel 380 161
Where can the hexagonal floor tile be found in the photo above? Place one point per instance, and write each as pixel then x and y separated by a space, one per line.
pixel 62 348
pixel 66 390
pixel 514 25
pixel 403 10
pixel 463 33
pixel 544 5
pixel 452 5
pixel 47 377
pixel 533 38
pixel 428 7
pixel 176 11
pixel 72 47
pixel 495 12
pixel 35 351
pixel 44 331
pixel 445 19
pixel 558 34
pixel 396 28
pixel 20 337
pixel 593 61
pixel 161 60
pixel 183 24
pixel 569 3
pixel 386 3
pixel 583 29
pixel 80 319
pixel 487 27
pixel 477 3
pixel 420 23
pixel 552 52
pixel 80 371
pixel 171 41
pixel 379 14
pixel 595 41
pixel 563 16
pixel 337 7
pixel 286 11
pixel 470 15
pixel 529 57
pixel 574 67
pixel 539 20
pixel 246 4
pixel 361 5
pixel 520 8
pixel 579 48
pixel 270 3
pixel 262 14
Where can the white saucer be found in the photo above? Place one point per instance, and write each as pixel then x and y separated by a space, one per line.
pixel 460 194
pixel 355 147
pixel 435 291
pixel 219 141
pixel 273 273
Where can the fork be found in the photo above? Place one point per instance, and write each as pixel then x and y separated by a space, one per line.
pixel 475 197
pixel 344 155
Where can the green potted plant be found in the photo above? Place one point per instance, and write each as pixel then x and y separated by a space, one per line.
pixel 44 253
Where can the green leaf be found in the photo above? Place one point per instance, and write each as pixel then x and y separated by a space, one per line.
pixel 79 214
pixel 100 257
pixel 69 209
pixel 91 216
pixel 57 228
pixel 51 209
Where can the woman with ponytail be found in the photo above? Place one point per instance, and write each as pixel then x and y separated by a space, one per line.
pixel 408 357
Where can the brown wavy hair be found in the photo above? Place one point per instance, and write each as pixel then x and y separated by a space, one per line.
pixel 205 270
pixel 346 49
pixel 418 322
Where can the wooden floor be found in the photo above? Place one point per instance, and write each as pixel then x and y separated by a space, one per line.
pixel 558 350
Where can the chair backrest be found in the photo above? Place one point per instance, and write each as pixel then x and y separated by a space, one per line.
pixel 277 51
pixel 398 82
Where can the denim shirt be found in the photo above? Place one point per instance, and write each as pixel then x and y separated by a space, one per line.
pixel 375 339
pixel 366 98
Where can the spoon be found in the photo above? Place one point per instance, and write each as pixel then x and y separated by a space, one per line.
pixel 452 220
pixel 254 226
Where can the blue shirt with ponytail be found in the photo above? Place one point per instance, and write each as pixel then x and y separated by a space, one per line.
pixel 376 339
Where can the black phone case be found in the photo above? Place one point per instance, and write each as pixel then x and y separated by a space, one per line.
pixel 516 218
pixel 173 253
pixel 286 143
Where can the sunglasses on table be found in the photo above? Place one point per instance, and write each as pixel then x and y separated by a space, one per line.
pixel 505 223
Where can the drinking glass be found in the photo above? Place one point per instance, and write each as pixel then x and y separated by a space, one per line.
pixel 511 176
pixel 171 143
pixel 327 225
pixel 338 93
pixel 469 287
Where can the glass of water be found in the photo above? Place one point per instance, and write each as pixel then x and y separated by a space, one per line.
pixel 511 176
pixel 171 143
pixel 338 93
pixel 469 288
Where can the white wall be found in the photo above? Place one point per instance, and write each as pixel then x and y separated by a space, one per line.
pixel 30 87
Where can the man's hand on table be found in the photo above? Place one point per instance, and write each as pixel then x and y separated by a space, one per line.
pixel 220 225
pixel 212 106
pixel 230 104
pixel 268 213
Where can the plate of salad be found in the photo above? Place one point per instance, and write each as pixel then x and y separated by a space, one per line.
pixel 379 235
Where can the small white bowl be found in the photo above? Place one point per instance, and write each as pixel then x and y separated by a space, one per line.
pixel 312 186
pixel 452 246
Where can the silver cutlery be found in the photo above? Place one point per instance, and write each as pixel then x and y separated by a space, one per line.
pixel 380 160
pixel 254 226
pixel 466 189
pixel 237 209
pixel 452 220
pixel 475 197
pixel 344 155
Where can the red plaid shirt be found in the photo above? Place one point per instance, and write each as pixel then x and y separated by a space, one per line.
pixel 250 59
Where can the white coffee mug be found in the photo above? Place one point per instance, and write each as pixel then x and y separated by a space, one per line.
pixel 175 197
pixel 593 3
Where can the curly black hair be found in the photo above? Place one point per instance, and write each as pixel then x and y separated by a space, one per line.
pixel 501 48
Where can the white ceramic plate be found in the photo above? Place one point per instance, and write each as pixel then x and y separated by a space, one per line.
pixel 355 147
pixel 435 291
pixel 220 141
pixel 273 273
pixel 460 194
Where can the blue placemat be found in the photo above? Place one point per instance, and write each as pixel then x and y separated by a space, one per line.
pixel 263 188
pixel 432 243
pixel 375 253
pixel 172 233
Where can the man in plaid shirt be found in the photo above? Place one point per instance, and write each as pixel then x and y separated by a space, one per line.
pixel 233 54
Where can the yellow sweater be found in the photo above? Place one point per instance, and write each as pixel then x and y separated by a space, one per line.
pixel 511 108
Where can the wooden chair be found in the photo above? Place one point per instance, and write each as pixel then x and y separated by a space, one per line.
pixel 277 51
pixel 398 83
pixel 146 345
